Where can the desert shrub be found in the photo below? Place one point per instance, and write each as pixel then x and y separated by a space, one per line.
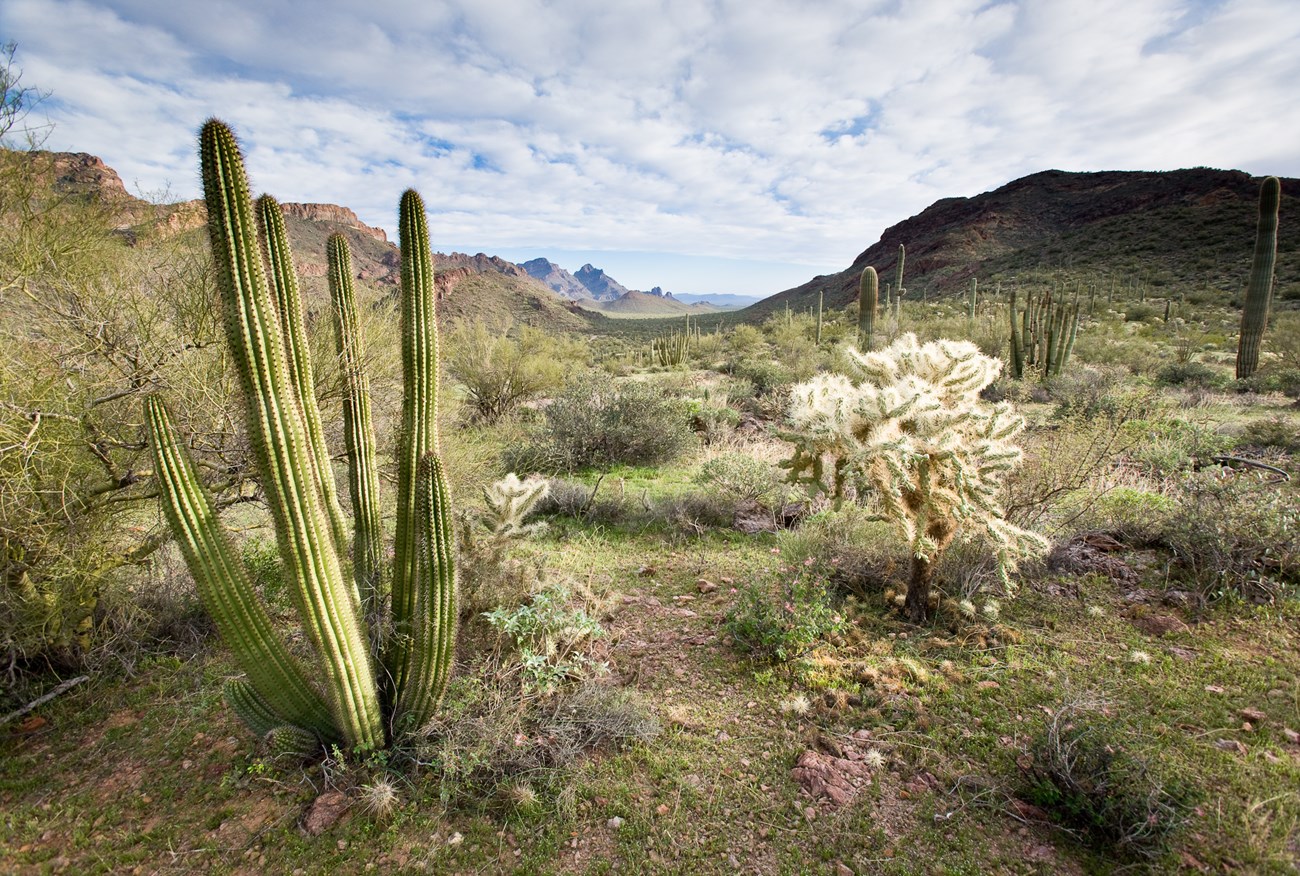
pixel 1170 445
pixel 744 339
pixel 597 423
pixel 712 420
pixel 1089 783
pixel 857 548
pixel 1090 392
pixel 549 635
pixel 1134 515
pixel 764 375
pixel 784 620
pixel 1139 311
pixel 491 746
pixel 1274 377
pixel 501 373
pixel 1235 536
pixel 1191 374
pixel 1279 431
pixel 696 512
pixel 743 479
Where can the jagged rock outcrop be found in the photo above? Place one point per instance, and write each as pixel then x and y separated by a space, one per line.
pixel 555 278
pixel 333 213
pixel 601 286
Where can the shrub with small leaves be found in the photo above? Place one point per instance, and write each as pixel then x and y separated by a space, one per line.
pixel 782 622
pixel 549 633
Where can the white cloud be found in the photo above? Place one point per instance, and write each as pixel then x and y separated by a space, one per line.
pixel 768 130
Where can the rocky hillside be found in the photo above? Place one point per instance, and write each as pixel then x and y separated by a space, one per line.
pixel 555 278
pixel 602 286
pixel 1173 232
pixel 480 285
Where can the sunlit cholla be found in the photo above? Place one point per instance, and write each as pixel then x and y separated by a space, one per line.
pixel 911 425
pixel 510 500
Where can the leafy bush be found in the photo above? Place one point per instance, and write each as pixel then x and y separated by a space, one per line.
pixel 744 479
pixel 1086 781
pixel 501 373
pixel 1235 536
pixel 1280 431
pixel 597 423
pixel 1167 446
pixel 765 375
pixel 781 623
pixel 549 632
pixel 1191 374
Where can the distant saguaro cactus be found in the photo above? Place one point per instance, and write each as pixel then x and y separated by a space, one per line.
pixel 868 301
pixel 1259 292
pixel 898 272
pixel 361 706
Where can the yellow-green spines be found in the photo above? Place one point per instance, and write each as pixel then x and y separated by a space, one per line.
pixel 358 432
pixel 433 625
pixel 1254 312
pixel 288 302
pixel 868 301
pixel 224 586
pixel 419 415
pixel 281 446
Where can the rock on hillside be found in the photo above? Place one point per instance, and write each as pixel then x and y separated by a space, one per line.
pixel 601 286
pixel 556 278
pixel 478 286
pixel 1181 230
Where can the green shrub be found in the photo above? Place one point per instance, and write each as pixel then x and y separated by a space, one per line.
pixel 1169 446
pixel 549 634
pixel 597 423
pixel 782 622
pixel 1235 537
pixel 1085 780
pixel 1191 374
pixel 501 373
pixel 765 375
pixel 1280 431
pixel 744 479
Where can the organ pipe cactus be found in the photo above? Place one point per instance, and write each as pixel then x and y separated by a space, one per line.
pixel 868 301
pixel 898 272
pixel 351 702
pixel 1254 314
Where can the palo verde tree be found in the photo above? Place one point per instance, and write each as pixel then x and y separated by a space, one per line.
pixel 383 638
pixel 911 425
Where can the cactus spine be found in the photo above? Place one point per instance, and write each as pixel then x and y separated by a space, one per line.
pixel 417 655
pixel 868 300
pixel 1254 313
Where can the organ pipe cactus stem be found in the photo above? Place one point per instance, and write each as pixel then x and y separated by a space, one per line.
pixel 283 280
pixel 281 447
pixel 419 417
pixel 225 588
pixel 1259 291
pixel 868 300
pixel 358 437
pixel 263 328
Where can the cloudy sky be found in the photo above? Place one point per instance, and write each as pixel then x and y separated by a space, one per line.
pixel 698 145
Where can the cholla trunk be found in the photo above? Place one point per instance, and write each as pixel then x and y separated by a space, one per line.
pixel 917 604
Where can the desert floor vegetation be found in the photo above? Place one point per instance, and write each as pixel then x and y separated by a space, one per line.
pixel 671 655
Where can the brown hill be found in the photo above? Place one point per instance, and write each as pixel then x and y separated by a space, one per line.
pixel 478 286
pixel 645 304
pixel 1173 232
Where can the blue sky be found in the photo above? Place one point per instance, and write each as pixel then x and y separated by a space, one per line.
pixel 703 146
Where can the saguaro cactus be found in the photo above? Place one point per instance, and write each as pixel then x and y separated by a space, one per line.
pixel 1259 292
pixel 868 301
pixel 264 333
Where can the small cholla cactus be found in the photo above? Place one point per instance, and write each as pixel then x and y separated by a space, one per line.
pixel 911 425
pixel 991 610
pixel 874 759
pixel 967 609
pixel 510 500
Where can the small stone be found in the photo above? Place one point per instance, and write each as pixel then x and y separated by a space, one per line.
pixel 987 684
pixel 724 736
pixel 614 823
pixel 705 586
pixel 1291 736
pixel 810 814
pixel 342 844
pixel 1254 716
pixel 843 869
pixel 662 809
pixel 455 839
